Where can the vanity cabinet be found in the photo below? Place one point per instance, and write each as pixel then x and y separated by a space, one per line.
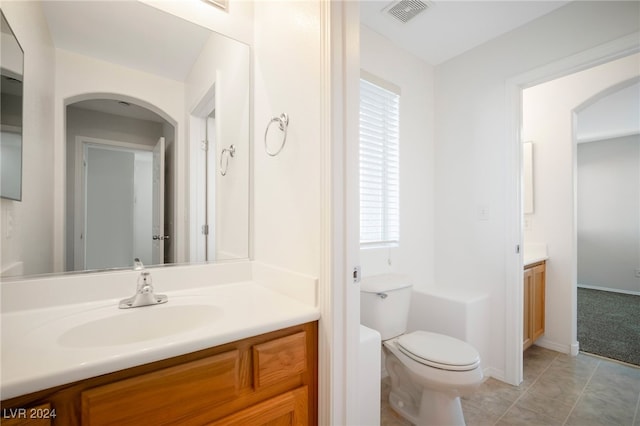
pixel 39 415
pixel 534 300
pixel 266 379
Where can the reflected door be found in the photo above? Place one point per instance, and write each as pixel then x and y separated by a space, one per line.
pixel 109 204
pixel 120 206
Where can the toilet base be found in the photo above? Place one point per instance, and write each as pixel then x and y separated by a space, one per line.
pixel 421 400
pixel 435 409
pixel 438 408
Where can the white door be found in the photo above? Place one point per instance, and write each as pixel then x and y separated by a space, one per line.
pixel 107 240
pixel 158 203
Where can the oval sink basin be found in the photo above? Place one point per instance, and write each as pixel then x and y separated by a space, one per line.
pixel 139 324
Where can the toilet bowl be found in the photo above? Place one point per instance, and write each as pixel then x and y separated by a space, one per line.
pixel 429 371
pixel 441 372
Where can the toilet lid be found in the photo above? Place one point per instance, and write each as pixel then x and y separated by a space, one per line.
pixel 439 351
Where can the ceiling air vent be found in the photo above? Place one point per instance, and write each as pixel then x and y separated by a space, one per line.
pixel 405 10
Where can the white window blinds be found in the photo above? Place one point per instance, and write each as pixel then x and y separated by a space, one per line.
pixel 379 165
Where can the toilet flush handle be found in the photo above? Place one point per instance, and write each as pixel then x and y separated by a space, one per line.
pixel 382 295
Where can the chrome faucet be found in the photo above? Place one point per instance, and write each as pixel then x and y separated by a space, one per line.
pixel 144 293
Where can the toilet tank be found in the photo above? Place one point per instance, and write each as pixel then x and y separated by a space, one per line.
pixel 384 304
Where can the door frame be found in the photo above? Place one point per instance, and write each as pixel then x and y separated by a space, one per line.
pixel 79 207
pixel 338 294
pixel 606 52
pixel 201 196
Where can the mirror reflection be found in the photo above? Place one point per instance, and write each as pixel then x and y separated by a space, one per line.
pixel 11 70
pixel 115 198
pixel 146 107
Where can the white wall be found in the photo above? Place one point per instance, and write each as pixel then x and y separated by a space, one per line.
pixel 287 78
pixel 616 114
pixel 414 255
pixel 29 223
pixel 224 64
pixel 548 122
pixel 609 213
pixel 472 185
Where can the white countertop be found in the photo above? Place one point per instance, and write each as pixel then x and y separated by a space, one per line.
pixel 34 357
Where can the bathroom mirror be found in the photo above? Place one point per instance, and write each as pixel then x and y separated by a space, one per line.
pixel 11 71
pixel 145 103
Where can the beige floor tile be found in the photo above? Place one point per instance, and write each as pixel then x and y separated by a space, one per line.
pixel 561 387
pixel 541 402
pixel 558 389
pixel 579 369
pixel 478 416
pixel 594 411
pixel 519 416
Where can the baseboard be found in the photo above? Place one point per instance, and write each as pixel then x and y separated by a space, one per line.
pixel 495 373
pixel 612 290
pixel 575 348
pixel 554 346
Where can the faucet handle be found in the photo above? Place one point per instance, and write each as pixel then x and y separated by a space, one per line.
pixel 138 265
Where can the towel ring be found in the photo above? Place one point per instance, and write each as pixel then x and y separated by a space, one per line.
pixel 231 151
pixel 283 124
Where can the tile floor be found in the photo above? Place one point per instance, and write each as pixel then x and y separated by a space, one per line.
pixel 557 390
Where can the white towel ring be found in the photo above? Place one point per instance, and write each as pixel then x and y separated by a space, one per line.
pixel 283 124
pixel 231 152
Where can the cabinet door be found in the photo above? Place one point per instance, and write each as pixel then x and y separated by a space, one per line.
pixel 164 396
pixel 538 301
pixel 526 331
pixel 288 409
pixel 279 359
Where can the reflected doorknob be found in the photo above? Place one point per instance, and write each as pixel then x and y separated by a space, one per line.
pixel 160 237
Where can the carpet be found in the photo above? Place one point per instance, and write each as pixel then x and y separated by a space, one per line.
pixel 609 324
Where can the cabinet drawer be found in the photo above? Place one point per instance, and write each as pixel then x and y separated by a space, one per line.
pixel 288 409
pixel 165 395
pixel 279 359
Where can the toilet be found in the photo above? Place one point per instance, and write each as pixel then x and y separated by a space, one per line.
pixel 429 371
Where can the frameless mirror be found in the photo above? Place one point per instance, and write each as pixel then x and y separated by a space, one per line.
pixel 11 71
pixel 150 105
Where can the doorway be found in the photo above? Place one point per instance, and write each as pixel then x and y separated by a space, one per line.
pixel 561 304
pixel 115 195
pixel 119 204
pixel 203 178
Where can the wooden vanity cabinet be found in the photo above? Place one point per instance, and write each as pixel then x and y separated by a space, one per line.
pixel 39 415
pixel 534 300
pixel 266 379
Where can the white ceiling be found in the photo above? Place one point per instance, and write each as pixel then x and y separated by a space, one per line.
pixel 450 27
pixel 136 35
pixel 128 33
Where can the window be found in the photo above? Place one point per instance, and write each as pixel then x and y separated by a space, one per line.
pixel 379 163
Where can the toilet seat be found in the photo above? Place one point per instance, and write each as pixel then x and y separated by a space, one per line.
pixel 439 351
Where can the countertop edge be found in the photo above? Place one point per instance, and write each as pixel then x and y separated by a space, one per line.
pixel 534 260
pixel 25 384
